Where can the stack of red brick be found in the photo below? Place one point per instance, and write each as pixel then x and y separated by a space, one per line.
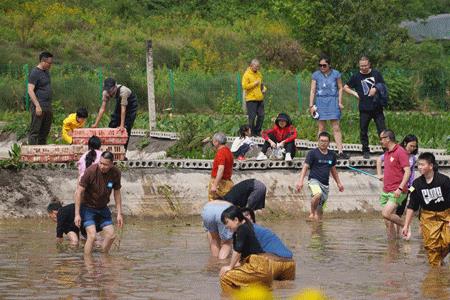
pixel 112 140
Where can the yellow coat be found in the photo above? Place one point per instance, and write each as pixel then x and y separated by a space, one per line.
pixel 252 91
pixel 69 124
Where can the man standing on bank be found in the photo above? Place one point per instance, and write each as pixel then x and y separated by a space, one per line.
pixel 126 106
pixel 95 188
pixel 254 96
pixel 363 86
pixel 40 91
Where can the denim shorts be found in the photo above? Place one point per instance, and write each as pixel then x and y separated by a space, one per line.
pixel 98 217
pixel 211 220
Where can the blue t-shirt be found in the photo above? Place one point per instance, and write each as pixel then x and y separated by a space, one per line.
pixel 320 165
pixel 270 242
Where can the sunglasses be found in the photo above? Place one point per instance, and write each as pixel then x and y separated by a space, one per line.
pixel 323 65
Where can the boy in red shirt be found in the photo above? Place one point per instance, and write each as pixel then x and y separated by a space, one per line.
pixel 281 136
pixel 220 183
pixel 396 175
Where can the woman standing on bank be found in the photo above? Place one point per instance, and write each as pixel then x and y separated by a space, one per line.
pixel 327 90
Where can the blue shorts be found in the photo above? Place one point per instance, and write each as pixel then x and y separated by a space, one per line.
pixel 211 220
pixel 98 217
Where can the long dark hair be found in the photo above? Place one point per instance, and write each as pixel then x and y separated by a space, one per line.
pixel 410 138
pixel 94 143
pixel 233 212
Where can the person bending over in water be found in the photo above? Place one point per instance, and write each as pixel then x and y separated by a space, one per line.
pixel 248 264
pixel 281 262
pixel 64 217
pixel 219 236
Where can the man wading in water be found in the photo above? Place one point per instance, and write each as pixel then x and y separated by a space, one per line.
pixel 95 188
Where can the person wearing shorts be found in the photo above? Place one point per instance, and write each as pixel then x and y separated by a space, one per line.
pixel 219 237
pixel 395 179
pixel 92 198
pixel 321 162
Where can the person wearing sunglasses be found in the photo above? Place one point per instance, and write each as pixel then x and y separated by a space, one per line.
pixel 326 100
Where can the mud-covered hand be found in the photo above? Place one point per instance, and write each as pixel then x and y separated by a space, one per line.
pixel 77 221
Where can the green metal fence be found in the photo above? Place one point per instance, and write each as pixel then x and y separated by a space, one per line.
pixel 183 91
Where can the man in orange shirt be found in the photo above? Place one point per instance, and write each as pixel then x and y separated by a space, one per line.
pixel 220 182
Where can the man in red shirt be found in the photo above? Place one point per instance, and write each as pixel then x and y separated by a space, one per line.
pixel 220 183
pixel 395 179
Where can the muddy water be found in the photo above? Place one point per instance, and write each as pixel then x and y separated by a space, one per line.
pixel 347 258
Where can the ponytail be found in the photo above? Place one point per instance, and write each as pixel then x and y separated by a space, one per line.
pixel 93 144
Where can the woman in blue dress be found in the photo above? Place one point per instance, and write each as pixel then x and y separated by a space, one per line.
pixel 326 99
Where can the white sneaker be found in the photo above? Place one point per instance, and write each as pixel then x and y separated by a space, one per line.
pixel 261 156
pixel 288 157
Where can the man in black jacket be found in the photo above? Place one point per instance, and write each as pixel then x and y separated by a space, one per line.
pixel 363 86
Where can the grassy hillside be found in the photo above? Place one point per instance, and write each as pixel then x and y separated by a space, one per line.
pixel 208 43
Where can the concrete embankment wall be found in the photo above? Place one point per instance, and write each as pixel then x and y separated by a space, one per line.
pixel 171 192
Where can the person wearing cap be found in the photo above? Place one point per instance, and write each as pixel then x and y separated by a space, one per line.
pixel 126 106
pixel 282 137
pixel 327 90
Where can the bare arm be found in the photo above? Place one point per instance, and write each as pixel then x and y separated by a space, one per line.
pixel 299 184
pixel 78 194
pixel 341 92
pixel 408 219
pixel 101 110
pixel 349 91
pixel 335 176
pixel 312 93
pixel 34 99
pixel 235 258
pixel 379 170
pixel 218 178
pixel 118 201
pixel 402 185
pixel 123 111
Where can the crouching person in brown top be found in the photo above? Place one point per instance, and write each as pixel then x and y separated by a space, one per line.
pixel 95 188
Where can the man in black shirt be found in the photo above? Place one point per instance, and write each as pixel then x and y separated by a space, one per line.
pixel 362 86
pixel 321 162
pixel 40 91
pixel 431 193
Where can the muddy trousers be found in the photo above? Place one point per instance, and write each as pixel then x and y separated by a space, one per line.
pixel 254 270
pixel 282 269
pixel 436 234
pixel 40 127
pixel 223 188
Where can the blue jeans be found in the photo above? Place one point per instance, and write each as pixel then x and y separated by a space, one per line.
pixel 98 217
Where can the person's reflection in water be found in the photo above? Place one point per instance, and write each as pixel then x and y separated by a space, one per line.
pixel 392 251
pixel 103 273
pixel 317 243
pixel 436 284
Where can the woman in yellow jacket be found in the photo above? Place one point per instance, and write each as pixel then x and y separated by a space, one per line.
pixel 254 96
pixel 73 121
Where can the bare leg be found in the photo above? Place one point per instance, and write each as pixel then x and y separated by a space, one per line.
pixel 390 215
pixel 109 237
pixel 90 231
pixel 322 126
pixel 318 214
pixel 337 134
pixel 225 249
pixel 73 238
pixel 314 204
pixel 214 243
